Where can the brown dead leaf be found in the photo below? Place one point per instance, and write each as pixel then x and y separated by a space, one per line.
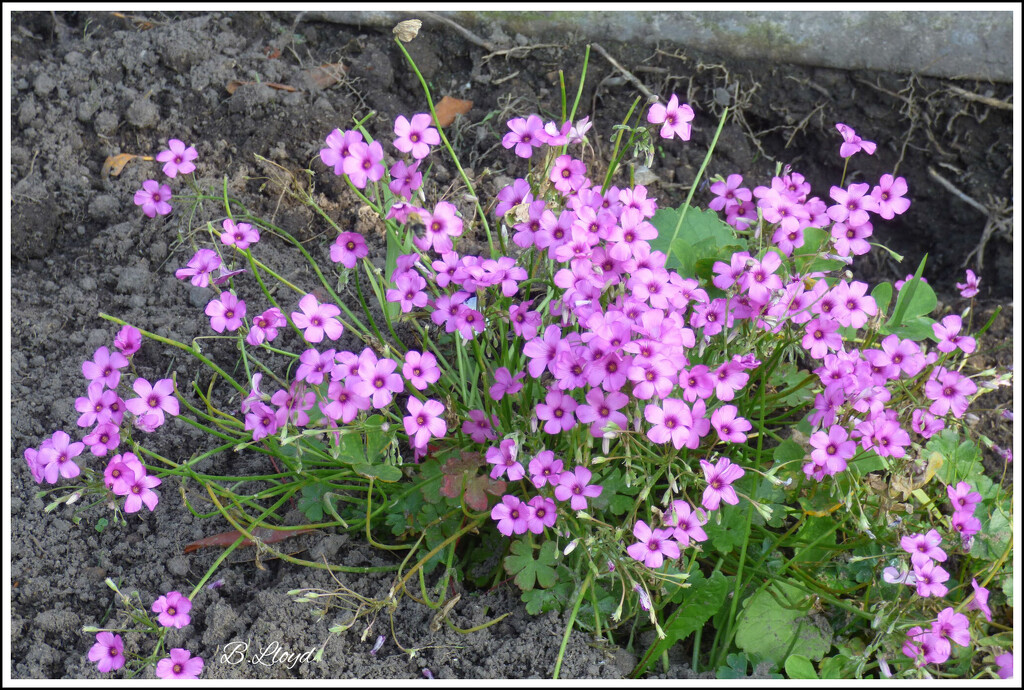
pixel 115 164
pixel 325 76
pixel 449 107
pixel 233 85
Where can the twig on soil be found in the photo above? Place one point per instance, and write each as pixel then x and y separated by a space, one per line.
pixel 466 33
pixel 971 96
pixel 956 192
pixel 518 51
pixel 625 72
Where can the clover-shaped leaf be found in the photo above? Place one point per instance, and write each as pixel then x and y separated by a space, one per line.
pixel 530 571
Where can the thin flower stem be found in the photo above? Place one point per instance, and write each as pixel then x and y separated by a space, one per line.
pixel 569 625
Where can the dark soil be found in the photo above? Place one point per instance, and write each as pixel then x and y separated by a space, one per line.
pixel 87 85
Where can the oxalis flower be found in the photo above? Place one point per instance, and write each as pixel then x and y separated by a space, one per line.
pixel 720 478
pixel 653 545
pixel 424 421
pixel 575 487
pixel 108 652
pixel 154 198
pixel 317 320
pixel 177 158
pixel 173 610
pixel 180 665
pixel 676 118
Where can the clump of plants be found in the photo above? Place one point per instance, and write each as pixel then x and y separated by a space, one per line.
pixel 659 417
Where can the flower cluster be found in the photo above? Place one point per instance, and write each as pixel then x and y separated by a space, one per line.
pixel 155 198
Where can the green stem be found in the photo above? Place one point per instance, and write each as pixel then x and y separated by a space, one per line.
pixel 572 621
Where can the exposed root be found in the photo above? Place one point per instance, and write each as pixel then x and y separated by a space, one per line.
pixel 998 217
pixel 625 72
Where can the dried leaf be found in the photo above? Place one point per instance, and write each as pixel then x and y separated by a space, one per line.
pixel 407 30
pixel 326 75
pixel 115 164
pixel 449 107
pixel 233 85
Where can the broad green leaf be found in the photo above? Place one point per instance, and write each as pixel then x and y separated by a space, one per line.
pixel 700 602
pixel 730 532
pixel 883 296
pixel 530 571
pixel 702 236
pixel 384 473
pixel 768 629
pixel 800 667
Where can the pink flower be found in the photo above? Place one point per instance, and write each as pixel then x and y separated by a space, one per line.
pixel 926 647
pixel 424 421
pixel 687 523
pixel 602 412
pixel 128 340
pixel 545 468
pixel 557 412
pixel 970 288
pixel 567 174
pixel 56 457
pixel 543 515
pixel 363 164
pixel 378 381
pixel 575 487
pixel 720 478
pixel 821 336
pixel 405 179
pixel 104 437
pixel 177 159
pixel 420 369
pixel 852 204
pixel 888 193
pixel 930 578
pixel 728 193
pixel 264 327
pixel 523 136
pixel 512 515
pixel 948 335
pixel 853 143
pixel 173 609
pixel 317 320
pixel 673 421
pixel 923 547
pixel 226 312
pixel 154 198
pixel 652 546
pixel 240 235
pixel 120 472
pixel 153 399
pixel 439 228
pixel 261 420
pixel 963 497
pixel 949 391
pixel 180 665
pixel 504 460
pixel 338 145
pixel 730 428
pixel 140 491
pixel 108 652
pixel 200 266
pixel 348 248
pixel 505 383
pixel 105 367
pixel 417 136
pixel 952 625
pixel 1004 664
pixel 676 118
pixel 831 451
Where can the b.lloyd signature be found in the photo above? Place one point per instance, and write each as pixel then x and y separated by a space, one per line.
pixel 271 655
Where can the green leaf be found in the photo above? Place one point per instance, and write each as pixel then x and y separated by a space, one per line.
pixel 882 295
pixel 769 629
pixel 915 298
pixel 729 533
pixel 800 667
pixel 311 504
pixel 384 473
pixel 702 236
pixel 530 571
pixel 819 529
pixel 836 667
pixel 616 496
pixel 556 598
pixel 736 667
pixel 700 602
